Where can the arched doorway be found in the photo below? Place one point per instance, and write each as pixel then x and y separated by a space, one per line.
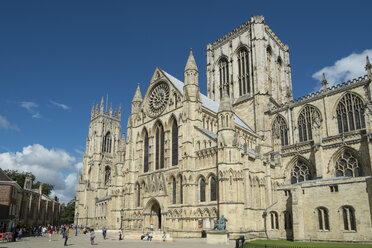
pixel 153 214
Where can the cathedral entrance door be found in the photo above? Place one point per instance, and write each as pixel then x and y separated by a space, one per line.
pixel 154 214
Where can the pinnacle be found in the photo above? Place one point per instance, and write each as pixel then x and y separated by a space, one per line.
pixel 191 64
pixel 225 104
pixel 324 81
pixel 137 96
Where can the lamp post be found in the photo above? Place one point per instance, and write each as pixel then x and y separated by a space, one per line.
pixel 77 223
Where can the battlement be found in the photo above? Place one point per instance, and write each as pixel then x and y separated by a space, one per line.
pixel 96 112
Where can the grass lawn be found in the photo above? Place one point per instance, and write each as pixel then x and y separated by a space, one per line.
pixel 284 243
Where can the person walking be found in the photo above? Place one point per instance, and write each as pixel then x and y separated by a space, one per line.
pixel 92 236
pixel 67 233
pixel 120 234
pixel 164 236
pixel 104 230
pixel 50 233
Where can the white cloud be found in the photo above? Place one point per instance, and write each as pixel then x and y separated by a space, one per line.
pixel 5 124
pixel 61 105
pixel 345 68
pixel 53 166
pixel 31 108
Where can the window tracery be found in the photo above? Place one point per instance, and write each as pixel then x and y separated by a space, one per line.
pixel 348 218
pixel 300 172
pixel 323 220
pixel 348 165
pixel 159 147
pixel 146 153
pixel 106 144
pixel 243 72
pixel 280 130
pixel 308 119
pixel 213 189
pixel 202 190
pixel 174 143
pixel 350 113
pixel 107 174
pixel 224 75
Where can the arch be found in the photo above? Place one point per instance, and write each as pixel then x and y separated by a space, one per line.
pixel 308 118
pixel 274 220
pixel 107 142
pixel 138 189
pixel 159 145
pixel 299 169
pixel 280 129
pixel 323 219
pixel 269 50
pixel 174 142
pixel 349 111
pixel 174 190
pixel 346 162
pixel 243 71
pixel 153 213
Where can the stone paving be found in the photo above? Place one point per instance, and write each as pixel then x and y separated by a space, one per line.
pixel 83 241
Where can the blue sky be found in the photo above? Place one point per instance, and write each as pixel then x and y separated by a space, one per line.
pixel 58 57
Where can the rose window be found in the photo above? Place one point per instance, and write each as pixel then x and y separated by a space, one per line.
pixel 159 97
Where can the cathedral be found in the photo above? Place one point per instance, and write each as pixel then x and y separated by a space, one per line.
pixel 274 166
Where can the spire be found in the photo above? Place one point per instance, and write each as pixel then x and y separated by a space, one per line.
pixel 92 111
pixel 102 106
pixel 225 104
pixel 110 109
pixel 119 113
pixel 368 68
pixel 324 83
pixel 97 108
pixel 191 64
pixel 137 96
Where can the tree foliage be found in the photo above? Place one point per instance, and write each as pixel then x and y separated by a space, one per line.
pixel 20 178
pixel 68 214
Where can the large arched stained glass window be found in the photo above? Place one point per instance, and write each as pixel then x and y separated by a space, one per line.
pixel 348 165
pixel 300 172
pixel 243 71
pixel 159 146
pixel 106 144
pixel 202 190
pixel 350 113
pixel 224 75
pixel 146 153
pixel 307 120
pixel 280 130
pixel 174 143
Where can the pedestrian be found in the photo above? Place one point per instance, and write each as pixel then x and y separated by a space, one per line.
pixel 92 236
pixel 150 236
pixel 120 234
pixel 164 236
pixel 104 230
pixel 50 233
pixel 44 231
pixel 20 233
pixel 67 233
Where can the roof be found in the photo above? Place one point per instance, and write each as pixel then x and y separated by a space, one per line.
pixel 206 102
pixel 208 133
pixel 4 176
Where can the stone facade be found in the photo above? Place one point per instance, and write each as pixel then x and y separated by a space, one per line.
pixel 273 166
pixel 25 207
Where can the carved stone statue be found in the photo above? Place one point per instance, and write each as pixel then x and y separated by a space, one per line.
pixel 220 225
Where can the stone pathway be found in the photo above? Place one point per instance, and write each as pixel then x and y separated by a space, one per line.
pixel 83 241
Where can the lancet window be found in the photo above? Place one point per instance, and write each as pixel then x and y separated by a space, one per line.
pixel 202 190
pixel 159 147
pixel 348 215
pixel 181 191
pixel 309 118
pixel 174 143
pixel 107 174
pixel 274 220
pixel 350 113
pixel 174 186
pixel 243 70
pixel 348 165
pixel 146 152
pixel 300 172
pixel 280 130
pixel 106 145
pixel 213 189
pixel 224 75
pixel 323 220
pixel 138 195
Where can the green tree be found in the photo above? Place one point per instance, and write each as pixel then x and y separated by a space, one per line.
pixel 20 177
pixel 68 214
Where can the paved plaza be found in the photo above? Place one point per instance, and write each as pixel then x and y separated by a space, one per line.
pixel 83 241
